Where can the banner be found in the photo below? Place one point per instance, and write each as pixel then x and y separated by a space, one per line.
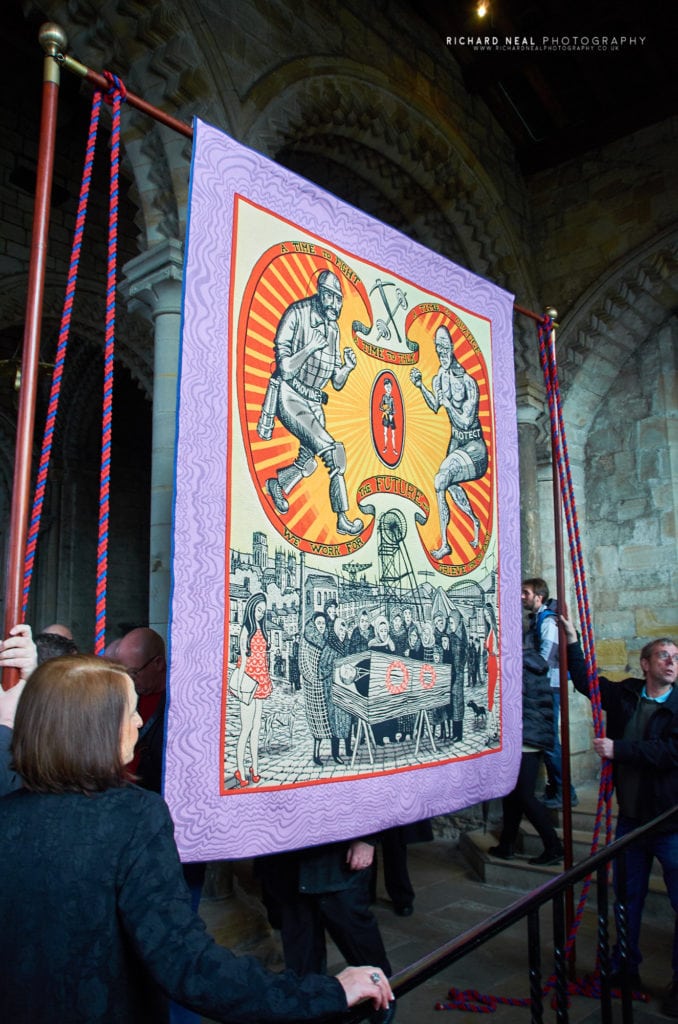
pixel 345 624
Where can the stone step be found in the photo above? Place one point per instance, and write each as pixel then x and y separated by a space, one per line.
pixel 530 844
pixel 520 875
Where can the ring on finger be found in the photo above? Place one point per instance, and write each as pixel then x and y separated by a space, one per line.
pixel 375 977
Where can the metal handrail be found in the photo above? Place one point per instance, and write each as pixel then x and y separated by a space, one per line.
pixel 527 906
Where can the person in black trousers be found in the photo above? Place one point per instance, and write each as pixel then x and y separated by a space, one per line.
pixel 537 737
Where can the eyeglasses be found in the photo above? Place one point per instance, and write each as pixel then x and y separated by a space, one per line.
pixel 666 656
pixel 134 672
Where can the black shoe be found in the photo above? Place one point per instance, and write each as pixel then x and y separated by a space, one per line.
pixel 669 1005
pixel 502 852
pixel 403 909
pixel 547 857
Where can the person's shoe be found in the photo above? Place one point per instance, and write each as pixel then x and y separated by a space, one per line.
pixel 502 852
pixel 403 909
pixel 276 493
pixel 669 1006
pixel 574 800
pixel 547 857
pixel 554 802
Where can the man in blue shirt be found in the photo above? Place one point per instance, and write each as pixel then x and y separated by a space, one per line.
pixel 642 743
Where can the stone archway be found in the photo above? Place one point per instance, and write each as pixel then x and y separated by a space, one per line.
pixel 618 379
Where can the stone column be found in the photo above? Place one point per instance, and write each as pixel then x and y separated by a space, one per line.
pixel 530 404
pixel 153 286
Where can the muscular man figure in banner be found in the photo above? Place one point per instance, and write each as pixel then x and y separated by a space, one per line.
pixel 308 357
pixel 456 391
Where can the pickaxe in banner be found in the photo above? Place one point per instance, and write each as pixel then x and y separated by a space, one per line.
pixel 401 303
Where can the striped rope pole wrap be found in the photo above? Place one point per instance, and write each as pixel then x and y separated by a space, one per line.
pixel 60 357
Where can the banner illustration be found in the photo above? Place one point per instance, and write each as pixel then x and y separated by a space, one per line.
pixel 345 523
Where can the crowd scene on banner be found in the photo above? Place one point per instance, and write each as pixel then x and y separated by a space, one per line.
pixel 93 884
pixel 270 689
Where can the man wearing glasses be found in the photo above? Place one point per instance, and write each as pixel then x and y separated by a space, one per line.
pixel 642 743
pixel 142 653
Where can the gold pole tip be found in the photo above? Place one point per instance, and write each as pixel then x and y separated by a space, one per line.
pixel 552 312
pixel 52 38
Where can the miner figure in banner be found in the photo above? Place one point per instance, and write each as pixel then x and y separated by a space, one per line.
pixel 457 392
pixel 308 358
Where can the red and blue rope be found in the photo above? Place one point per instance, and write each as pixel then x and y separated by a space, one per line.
pixel 60 356
pixel 115 97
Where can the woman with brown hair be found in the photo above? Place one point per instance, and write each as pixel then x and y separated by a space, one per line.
pixel 97 925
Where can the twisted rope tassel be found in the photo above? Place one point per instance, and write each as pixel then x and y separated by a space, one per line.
pixel 472 1001
pixel 60 357
pixel 116 94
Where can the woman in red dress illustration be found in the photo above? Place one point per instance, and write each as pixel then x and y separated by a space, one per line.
pixel 253 662
pixel 492 672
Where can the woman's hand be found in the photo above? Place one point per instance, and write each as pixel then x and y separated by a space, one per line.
pixel 19 651
pixel 361 983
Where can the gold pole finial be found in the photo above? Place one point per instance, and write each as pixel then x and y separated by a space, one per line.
pixel 52 38
pixel 552 312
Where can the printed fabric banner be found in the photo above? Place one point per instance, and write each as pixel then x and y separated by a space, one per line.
pixel 345 648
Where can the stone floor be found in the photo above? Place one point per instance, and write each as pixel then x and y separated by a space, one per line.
pixel 451 899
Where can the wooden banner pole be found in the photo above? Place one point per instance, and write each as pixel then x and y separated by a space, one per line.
pixel 52 39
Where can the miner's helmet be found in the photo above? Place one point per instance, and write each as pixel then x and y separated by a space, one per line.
pixel 330 281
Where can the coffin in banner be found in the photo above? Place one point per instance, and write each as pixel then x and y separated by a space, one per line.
pixel 376 686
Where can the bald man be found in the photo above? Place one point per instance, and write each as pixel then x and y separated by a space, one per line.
pixel 142 653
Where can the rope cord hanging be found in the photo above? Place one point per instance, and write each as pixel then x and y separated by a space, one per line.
pixel 60 357
pixel 114 97
pixel 470 1000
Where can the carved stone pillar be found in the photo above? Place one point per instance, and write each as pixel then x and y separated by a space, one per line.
pixel 530 407
pixel 153 287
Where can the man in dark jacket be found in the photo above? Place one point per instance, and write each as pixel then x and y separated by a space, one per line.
pixel 537 737
pixel 642 743
pixel 323 887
